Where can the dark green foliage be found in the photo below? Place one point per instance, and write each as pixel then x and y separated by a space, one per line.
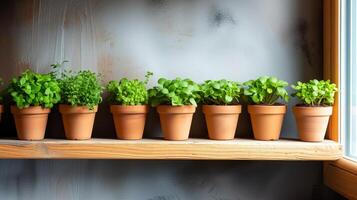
pixel 175 92
pixel 266 90
pixel 129 92
pixel 315 93
pixel 33 89
pixel 81 89
pixel 220 92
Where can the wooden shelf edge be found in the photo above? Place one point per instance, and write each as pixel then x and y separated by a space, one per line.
pixel 157 149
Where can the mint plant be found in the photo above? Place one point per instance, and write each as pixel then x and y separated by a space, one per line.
pixel 315 92
pixel 33 89
pixel 177 92
pixel 129 92
pixel 81 89
pixel 266 90
pixel 220 92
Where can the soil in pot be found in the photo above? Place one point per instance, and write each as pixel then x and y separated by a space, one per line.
pixel 312 122
pixel 129 121
pixel 78 121
pixel 267 121
pixel 221 121
pixel 176 121
pixel 30 122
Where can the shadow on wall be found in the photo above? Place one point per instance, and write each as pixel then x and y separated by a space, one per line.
pixel 168 180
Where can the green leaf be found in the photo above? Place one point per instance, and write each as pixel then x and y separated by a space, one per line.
pixel 315 92
pixel 265 90
pixel 175 92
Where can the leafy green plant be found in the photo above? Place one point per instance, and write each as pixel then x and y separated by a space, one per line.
pixel 315 92
pixel 220 92
pixel 266 90
pixel 33 89
pixel 81 89
pixel 175 92
pixel 129 92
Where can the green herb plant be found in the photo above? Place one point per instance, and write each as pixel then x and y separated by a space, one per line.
pixel 315 92
pixel 129 92
pixel 177 92
pixel 266 90
pixel 33 89
pixel 81 89
pixel 220 92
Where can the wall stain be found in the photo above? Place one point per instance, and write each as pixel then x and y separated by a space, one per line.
pixel 221 17
pixel 165 197
pixel 302 30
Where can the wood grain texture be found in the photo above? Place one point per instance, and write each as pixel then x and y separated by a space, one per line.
pixel 341 176
pixel 192 149
pixel 331 58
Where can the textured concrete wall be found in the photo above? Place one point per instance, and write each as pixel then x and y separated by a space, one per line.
pixel 200 39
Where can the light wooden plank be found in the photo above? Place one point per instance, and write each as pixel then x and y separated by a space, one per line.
pixel 192 149
pixel 341 176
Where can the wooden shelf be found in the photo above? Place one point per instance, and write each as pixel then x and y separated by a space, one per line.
pixel 157 149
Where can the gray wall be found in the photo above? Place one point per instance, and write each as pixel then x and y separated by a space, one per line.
pixel 233 39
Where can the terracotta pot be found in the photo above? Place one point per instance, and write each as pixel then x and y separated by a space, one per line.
pixel 312 122
pixel 221 121
pixel 129 121
pixel 267 121
pixel 176 121
pixel 78 121
pixel 1 111
pixel 30 122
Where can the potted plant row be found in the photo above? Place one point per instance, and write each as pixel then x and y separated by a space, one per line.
pixel 33 95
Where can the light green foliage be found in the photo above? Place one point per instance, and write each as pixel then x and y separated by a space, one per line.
pixel 33 89
pixel 129 92
pixel 315 93
pixel 81 89
pixel 175 92
pixel 220 92
pixel 266 90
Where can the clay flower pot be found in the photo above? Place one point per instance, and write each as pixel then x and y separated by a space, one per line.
pixel 1 110
pixel 221 120
pixel 267 121
pixel 129 121
pixel 176 121
pixel 312 122
pixel 78 121
pixel 30 122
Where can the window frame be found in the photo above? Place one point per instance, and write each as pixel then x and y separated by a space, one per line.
pixel 340 175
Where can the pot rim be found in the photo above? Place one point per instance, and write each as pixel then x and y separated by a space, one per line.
pixel 312 111
pixel 221 109
pixel 69 109
pixel 128 109
pixel 31 110
pixel 168 109
pixel 267 109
